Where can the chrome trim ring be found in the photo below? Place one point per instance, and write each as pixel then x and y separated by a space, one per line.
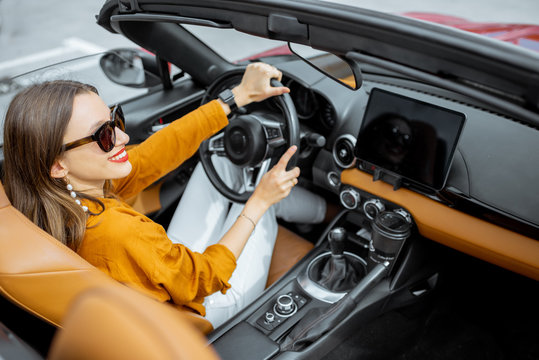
pixel 376 203
pixel 352 140
pixel 333 179
pixel 354 194
pixel 317 291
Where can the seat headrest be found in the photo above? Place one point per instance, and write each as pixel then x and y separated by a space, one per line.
pixel 4 201
pixel 120 323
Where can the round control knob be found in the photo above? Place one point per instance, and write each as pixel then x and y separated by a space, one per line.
pixel 270 317
pixel 372 208
pixel 405 214
pixel 285 306
pixel 350 198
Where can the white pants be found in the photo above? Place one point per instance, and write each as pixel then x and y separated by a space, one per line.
pixel 204 216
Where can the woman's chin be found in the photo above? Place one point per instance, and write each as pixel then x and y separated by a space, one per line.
pixel 120 170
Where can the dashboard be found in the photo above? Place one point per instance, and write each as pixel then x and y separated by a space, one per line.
pixel 488 207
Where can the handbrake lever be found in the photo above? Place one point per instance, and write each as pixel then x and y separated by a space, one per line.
pixel 318 321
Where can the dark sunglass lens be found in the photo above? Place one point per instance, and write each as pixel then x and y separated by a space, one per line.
pixel 118 117
pixel 107 137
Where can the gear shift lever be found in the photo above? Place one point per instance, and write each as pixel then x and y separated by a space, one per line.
pixel 336 238
pixel 337 271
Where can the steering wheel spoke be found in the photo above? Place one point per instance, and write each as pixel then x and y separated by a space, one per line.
pixel 216 144
pixel 253 175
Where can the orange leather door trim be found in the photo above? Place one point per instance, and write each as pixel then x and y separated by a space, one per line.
pixel 456 229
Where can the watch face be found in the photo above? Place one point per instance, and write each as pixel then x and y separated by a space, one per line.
pixel 227 96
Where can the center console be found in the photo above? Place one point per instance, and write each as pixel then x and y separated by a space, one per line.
pixel 369 260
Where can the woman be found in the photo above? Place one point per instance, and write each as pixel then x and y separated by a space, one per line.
pixel 66 168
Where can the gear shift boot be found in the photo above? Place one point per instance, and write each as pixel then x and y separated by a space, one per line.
pixel 338 273
pixel 331 275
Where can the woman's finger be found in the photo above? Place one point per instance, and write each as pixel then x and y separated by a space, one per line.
pixel 283 161
pixel 293 182
pixel 276 91
pixel 289 175
pixel 273 72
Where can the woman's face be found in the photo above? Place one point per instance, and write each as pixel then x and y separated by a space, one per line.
pixel 88 166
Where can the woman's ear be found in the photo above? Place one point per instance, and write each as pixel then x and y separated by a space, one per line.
pixel 58 170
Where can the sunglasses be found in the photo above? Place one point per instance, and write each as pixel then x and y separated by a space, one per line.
pixel 105 135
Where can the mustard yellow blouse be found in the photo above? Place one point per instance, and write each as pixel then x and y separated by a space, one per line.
pixel 133 249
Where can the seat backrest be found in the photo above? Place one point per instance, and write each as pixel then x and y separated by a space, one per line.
pixel 124 324
pixel 43 276
pixel 37 272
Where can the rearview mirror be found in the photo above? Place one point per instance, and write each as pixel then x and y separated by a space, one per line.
pixel 129 67
pixel 343 71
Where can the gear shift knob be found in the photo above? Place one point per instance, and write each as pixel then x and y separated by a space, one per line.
pixel 336 238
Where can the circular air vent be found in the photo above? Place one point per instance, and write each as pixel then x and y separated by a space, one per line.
pixel 343 150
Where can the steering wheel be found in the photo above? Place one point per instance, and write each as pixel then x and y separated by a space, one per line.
pixel 252 141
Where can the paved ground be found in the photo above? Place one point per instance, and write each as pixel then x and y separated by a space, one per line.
pixel 34 33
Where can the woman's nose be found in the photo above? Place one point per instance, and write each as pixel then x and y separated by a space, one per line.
pixel 121 137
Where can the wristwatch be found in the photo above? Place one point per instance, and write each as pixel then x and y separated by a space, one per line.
pixel 227 96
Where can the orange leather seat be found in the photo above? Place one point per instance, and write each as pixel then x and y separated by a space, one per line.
pixel 120 323
pixel 43 276
pixel 37 272
pixel 288 250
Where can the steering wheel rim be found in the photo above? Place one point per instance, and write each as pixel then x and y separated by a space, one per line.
pixel 288 110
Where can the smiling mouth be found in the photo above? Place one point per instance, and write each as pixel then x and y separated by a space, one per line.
pixel 120 156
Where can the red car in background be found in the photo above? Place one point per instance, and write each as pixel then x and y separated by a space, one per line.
pixel 524 35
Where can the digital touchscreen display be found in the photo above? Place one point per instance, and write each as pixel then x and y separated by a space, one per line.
pixel 412 139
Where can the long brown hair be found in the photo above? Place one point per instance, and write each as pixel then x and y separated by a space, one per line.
pixel 34 128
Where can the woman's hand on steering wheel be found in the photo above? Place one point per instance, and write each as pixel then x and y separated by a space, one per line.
pixel 255 137
pixel 277 183
pixel 255 85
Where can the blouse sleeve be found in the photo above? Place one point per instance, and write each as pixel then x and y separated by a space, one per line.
pixel 195 275
pixel 169 148
pixel 133 249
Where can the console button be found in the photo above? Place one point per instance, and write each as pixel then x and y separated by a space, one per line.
pixel 285 306
pixel 405 214
pixel 270 317
pixel 372 208
pixel 350 198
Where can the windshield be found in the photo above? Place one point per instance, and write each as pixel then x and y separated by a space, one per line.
pixel 233 45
